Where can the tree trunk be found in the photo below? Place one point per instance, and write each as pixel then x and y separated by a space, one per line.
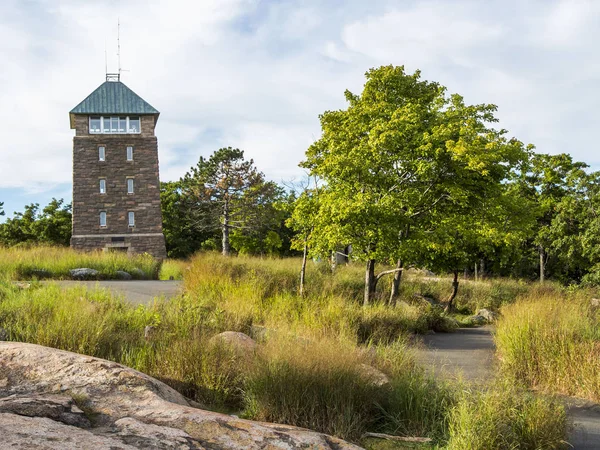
pixel 476 274
pixel 396 284
pixel 303 269
pixel 369 282
pixel 542 263
pixel 225 229
pixel 449 304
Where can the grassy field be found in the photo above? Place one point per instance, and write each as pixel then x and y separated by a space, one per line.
pixel 316 355
pixel 55 263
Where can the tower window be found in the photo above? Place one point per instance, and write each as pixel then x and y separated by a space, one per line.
pixel 134 125
pixel 130 185
pixel 101 153
pixel 129 153
pixel 102 186
pixel 115 125
pixel 131 218
pixel 95 124
pixel 102 218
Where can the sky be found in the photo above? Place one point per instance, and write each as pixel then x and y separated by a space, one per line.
pixel 256 74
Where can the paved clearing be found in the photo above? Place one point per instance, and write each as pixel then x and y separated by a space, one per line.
pixel 469 354
pixel 137 292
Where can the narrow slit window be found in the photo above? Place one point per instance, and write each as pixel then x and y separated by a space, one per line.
pixel 131 218
pixel 101 153
pixel 129 153
pixel 130 185
pixel 103 218
pixel 102 186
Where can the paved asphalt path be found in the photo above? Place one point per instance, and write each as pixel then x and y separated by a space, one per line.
pixel 468 354
pixel 138 292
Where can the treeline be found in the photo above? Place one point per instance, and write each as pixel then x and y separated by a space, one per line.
pixel 406 175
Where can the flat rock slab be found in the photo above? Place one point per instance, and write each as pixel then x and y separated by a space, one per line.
pixel 137 292
pixel 468 353
pixel 41 388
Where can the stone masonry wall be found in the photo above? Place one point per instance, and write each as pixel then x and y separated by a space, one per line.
pixel 154 245
pixel 88 202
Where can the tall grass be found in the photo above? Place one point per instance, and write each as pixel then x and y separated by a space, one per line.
pixel 314 363
pixel 504 417
pixel 552 343
pixel 172 269
pixel 245 292
pixel 56 262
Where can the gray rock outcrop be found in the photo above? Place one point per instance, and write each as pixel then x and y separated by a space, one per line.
pixel 489 316
pixel 375 376
pixel 84 274
pixel 122 275
pixel 53 399
pixel 239 342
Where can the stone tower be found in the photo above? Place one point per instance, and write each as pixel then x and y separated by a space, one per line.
pixel 116 188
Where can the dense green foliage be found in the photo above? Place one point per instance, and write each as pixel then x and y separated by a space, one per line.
pixel 50 226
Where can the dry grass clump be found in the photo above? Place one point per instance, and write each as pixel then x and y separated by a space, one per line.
pixel 173 269
pixel 504 417
pixel 56 262
pixel 552 343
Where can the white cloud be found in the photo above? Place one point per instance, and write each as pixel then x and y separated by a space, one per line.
pixel 256 74
pixel 421 35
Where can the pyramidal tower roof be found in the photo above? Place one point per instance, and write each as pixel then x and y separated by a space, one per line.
pixel 113 97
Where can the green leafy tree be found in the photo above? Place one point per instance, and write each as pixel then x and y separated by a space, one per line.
pixel 401 154
pixel 181 236
pixel 54 224
pixel 551 180
pixel 50 226
pixel 229 194
pixel 303 210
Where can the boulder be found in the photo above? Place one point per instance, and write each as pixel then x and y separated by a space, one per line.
pixel 239 342
pixel 375 376
pixel 421 299
pixel 478 320
pixel 490 316
pixel 54 399
pixel 138 274
pixel 122 275
pixel 149 332
pixel 40 273
pixel 84 274
pixel 595 302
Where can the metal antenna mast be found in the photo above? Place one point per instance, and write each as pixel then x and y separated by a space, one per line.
pixel 119 45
